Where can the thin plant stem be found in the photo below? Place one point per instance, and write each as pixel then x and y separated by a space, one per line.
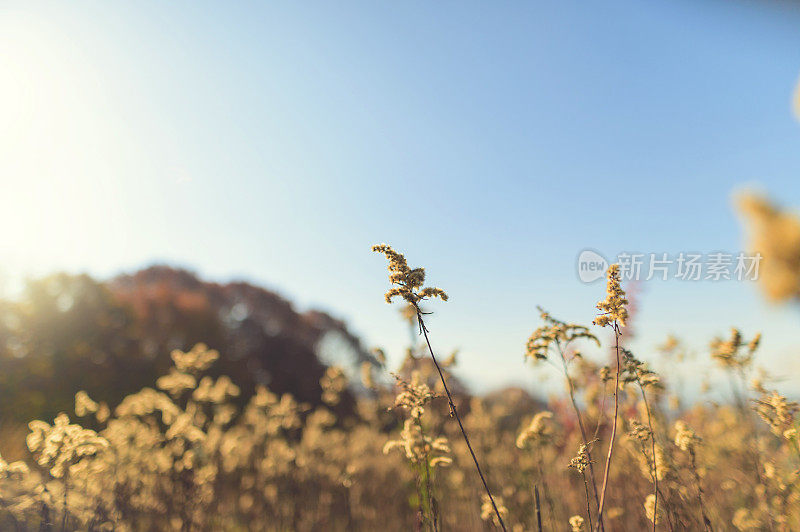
pixel 588 509
pixel 653 446
pixel 613 428
pixel 571 389
pixel 706 520
pixel 538 507
pixel 454 411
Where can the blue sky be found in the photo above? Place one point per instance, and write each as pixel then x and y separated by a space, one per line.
pixel 490 142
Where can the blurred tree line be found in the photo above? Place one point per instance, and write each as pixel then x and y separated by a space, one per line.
pixel 111 338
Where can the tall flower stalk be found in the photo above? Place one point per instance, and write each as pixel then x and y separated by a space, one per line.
pixel 614 313
pixel 556 335
pixel 407 283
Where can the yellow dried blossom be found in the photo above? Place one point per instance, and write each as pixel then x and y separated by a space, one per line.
pixel 539 430
pixel 554 333
pixel 576 523
pixel 418 447
pixel 215 391
pixel 407 283
pixel 176 382
pixel 62 445
pixel 634 370
pixel 413 395
pixel 650 509
pixel 778 412
pixel 615 307
pixel 734 352
pixel 685 437
pixel 775 234
pixel 582 460
pixel 197 360
pixel 333 384
pixel 84 404
pixel 646 462
pixel 744 520
pixel 487 510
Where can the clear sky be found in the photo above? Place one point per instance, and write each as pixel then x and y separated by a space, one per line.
pixel 489 141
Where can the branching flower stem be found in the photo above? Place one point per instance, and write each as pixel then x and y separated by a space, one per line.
pixel 571 389
pixel 454 411
pixel 613 428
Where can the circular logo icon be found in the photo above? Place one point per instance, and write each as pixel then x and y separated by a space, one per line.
pixel 591 266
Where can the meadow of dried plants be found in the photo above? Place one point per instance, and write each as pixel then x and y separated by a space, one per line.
pixel 618 450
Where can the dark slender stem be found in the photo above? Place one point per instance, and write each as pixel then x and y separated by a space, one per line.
pixel 655 461
pixel 613 428
pixel 706 520
pixel 538 507
pixel 571 389
pixel 458 418
pixel 588 509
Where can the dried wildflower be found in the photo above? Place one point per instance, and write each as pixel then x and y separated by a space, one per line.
pixel 407 283
pixel 744 520
pixel 380 355
pixel 634 370
pixel 215 391
pixel 84 405
pixel 638 431
pixel 197 360
pixel 735 352
pixel 176 382
pixel 333 384
pixel 777 412
pixel 650 509
pixel 685 437
pixel 539 430
pixel 554 333
pixel 582 460
pixel 62 445
pixel 576 523
pixel 775 234
pixel 487 510
pixel 366 375
pixel 418 447
pixel 413 395
pixel 646 462
pixel 614 307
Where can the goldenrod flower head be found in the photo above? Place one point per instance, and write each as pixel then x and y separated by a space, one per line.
pixel 775 234
pixel 778 412
pixel 197 360
pixel 407 283
pixel 413 395
pixel 366 375
pixel 539 430
pixel 333 384
pixel 634 370
pixel 650 509
pixel 744 520
pixel 176 382
pixel 554 333
pixel 615 306
pixel 487 510
pixel 735 352
pixel 84 404
pixel 62 445
pixel 581 461
pixel 685 437
pixel 419 447
pixel 638 431
pixel 576 523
